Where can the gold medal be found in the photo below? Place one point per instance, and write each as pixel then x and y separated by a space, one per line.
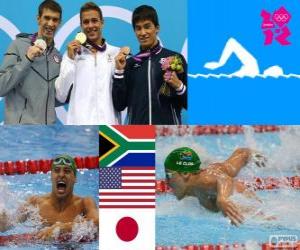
pixel 81 38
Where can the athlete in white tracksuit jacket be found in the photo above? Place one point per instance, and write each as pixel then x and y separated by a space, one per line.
pixel 87 72
pixel 91 77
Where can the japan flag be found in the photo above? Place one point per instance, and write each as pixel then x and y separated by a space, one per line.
pixel 127 229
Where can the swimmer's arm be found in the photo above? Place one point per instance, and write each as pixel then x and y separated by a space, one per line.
pixel 224 191
pixel 224 187
pixel 236 161
pixel 91 211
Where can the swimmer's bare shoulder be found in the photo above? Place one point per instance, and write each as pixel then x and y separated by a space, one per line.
pixel 78 201
pixel 36 200
pixel 86 204
pixel 207 179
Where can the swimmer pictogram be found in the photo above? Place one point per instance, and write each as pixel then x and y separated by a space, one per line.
pixel 249 64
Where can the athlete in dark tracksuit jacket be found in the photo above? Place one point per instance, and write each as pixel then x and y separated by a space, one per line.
pixel 138 90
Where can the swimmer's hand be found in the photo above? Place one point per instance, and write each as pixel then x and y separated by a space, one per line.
pixel 47 234
pixel 54 232
pixel 120 59
pixel 259 159
pixel 231 211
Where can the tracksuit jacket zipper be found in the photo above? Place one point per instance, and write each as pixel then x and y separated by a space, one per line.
pixel 25 104
pixel 46 113
pixel 149 91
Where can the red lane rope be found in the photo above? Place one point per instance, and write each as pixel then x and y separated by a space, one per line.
pixel 237 246
pixel 182 130
pixel 43 165
pixel 268 183
pixel 29 238
pixel 16 239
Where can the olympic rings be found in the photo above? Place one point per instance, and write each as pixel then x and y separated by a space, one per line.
pixel 281 17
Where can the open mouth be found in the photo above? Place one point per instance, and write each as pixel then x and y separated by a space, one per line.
pixel 61 187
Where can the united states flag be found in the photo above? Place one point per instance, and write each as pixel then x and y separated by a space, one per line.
pixel 127 187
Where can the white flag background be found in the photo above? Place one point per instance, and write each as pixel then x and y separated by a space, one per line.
pixel 145 238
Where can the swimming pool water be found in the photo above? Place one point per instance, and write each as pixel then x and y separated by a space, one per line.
pixel 45 142
pixel 186 222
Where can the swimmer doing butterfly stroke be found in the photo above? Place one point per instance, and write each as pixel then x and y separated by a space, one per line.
pixel 214 185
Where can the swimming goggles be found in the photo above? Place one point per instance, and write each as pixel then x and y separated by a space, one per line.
pixel 169 175
pixel 62 161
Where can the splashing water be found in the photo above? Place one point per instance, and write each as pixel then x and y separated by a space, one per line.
pixel 34 219
pixel 287 155
pixel 83 229
pixel 10 202
pixel 249 137
pixel 7 198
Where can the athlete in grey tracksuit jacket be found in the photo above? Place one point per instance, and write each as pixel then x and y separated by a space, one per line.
pixel 28 86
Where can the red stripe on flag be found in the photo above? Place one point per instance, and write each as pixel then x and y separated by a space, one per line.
pixel 127 200
pixel 127 206
pixel 137 131
pixel 138 168
pixel 124 194
pixel 138 181
pixel 138 187
pixel 139 174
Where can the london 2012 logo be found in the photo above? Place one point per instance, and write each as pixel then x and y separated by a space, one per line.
pixel 274 26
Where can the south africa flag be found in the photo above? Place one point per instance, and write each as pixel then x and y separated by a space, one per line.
pixel 132 145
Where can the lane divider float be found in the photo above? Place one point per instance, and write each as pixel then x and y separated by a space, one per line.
pixel 234 246
pixel 258 183
pixel 21 167
pixel 30 238
pixel 183 130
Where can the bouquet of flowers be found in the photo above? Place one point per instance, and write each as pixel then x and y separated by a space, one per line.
pixel 170 64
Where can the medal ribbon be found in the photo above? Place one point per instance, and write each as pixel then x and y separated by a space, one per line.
pixel 144 55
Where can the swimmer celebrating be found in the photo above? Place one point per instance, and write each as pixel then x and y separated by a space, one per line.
pixel 214 185
pixel 60 208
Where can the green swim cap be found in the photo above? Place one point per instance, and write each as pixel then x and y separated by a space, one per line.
pixel 65 160
pixel 183 160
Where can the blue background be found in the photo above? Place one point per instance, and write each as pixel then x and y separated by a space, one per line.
pixel 172 16
pixel 246 100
